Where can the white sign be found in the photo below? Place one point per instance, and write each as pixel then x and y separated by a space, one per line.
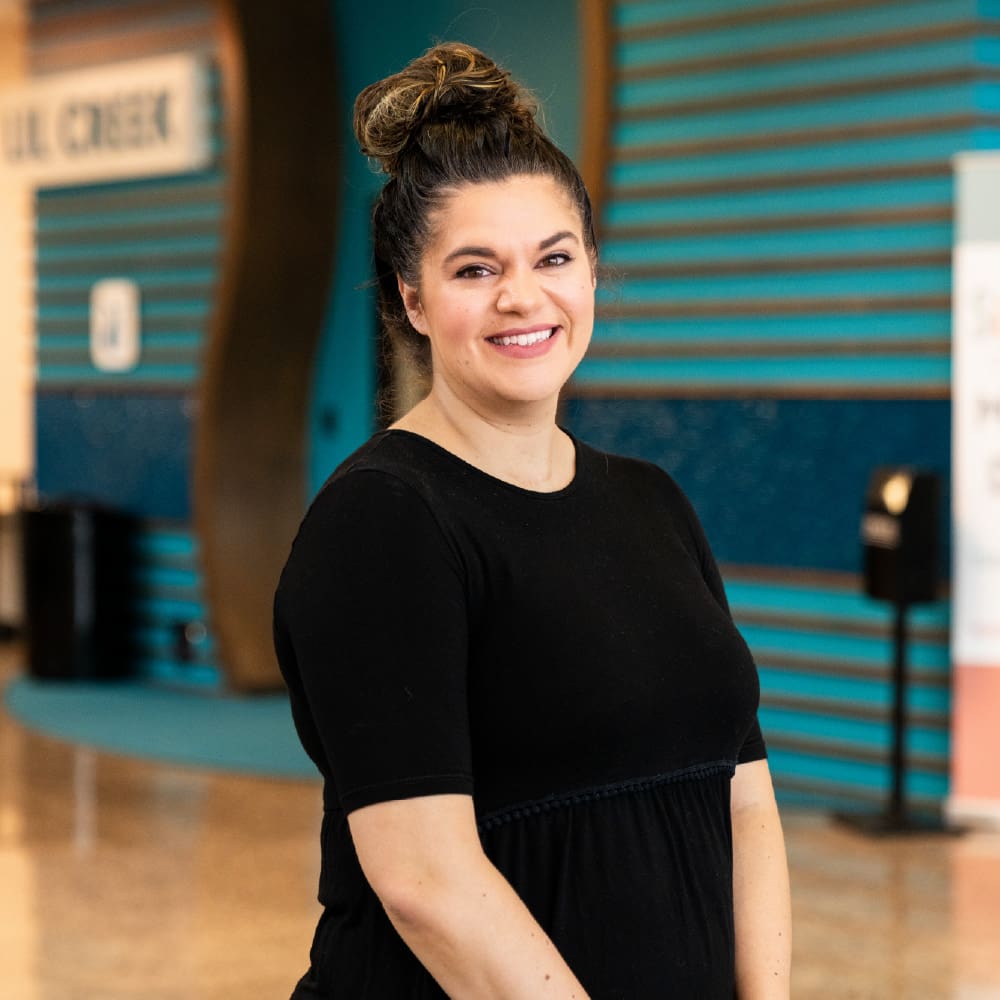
pixel 131 119
pixel 114 325
pixel 976 453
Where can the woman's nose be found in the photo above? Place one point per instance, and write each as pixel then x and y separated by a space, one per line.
pixel 518 291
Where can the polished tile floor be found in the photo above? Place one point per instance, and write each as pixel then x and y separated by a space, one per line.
pixel 121 880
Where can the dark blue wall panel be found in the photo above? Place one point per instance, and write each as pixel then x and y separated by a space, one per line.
pixel 776 481
pixel 130 451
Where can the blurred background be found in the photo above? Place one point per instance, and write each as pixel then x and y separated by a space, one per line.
pixel 189 345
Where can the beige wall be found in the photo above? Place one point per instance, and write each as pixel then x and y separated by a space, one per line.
pixel 17 362
pixel 16 307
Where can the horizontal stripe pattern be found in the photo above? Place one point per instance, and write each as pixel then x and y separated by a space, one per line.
pixel 163 233
pixel 779 191
pixel 68 34
pixel 170 252
pixel 173 636
pixel 825 653
pixel 781 29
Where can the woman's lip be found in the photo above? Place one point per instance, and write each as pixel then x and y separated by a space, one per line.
pixel 523 330
pixel 526 350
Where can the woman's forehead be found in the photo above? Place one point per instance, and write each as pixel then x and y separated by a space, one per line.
pixel 525 208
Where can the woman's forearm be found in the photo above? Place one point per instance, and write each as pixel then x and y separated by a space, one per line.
pixel 478 940
pixel 760 888
pixel 452 907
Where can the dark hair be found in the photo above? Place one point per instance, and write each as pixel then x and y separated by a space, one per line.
pixel 451 117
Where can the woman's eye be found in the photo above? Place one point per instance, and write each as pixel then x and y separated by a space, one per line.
pixel 556 259
pixel 474 271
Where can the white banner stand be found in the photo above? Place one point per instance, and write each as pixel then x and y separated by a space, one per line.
pixel 975 642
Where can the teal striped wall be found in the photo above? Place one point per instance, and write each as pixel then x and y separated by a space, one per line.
pixel 165 234
pixel 825 653
pixel 162 234
pixel 778 201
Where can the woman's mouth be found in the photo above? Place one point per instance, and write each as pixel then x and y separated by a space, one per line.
pixel 523 339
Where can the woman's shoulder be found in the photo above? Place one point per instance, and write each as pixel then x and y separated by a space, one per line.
pixel 383 479
pixel 390 465
pixel 630 472
pixel 647 490
pixel 376 494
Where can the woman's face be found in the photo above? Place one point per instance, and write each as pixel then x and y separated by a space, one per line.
pixel 506 293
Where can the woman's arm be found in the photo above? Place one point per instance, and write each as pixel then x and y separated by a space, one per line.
pixel 760 887
pixel 457 913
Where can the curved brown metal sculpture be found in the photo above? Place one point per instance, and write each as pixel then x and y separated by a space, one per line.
pixel 596 60
pixel 282 132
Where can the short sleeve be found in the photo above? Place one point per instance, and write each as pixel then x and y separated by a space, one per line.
pixel 371 634
pixel 753 746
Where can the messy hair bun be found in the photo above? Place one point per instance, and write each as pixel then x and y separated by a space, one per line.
pixel 452 117
pixel 449 83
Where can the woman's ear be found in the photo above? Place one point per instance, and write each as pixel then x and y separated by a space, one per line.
pixel 411 303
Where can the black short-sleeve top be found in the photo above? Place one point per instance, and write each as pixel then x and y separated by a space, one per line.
pixel 568 660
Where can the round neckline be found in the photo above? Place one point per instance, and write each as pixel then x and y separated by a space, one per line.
pixel 474 469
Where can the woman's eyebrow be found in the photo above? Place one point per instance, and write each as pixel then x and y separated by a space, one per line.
pixel 556 237
pixel 469 252
pixel 488 252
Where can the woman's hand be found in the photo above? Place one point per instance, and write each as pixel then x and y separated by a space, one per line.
pixel 457 913
pixel 760 887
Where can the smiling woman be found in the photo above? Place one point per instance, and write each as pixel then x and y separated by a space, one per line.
pixel 510 655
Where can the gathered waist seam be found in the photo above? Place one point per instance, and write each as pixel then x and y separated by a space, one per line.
pixel 536 807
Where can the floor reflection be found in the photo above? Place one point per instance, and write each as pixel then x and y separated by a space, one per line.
pixel 120 879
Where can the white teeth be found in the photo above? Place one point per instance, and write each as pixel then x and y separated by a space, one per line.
pixel 524 339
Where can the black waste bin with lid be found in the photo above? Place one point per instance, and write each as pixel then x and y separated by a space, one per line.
pixel 79 594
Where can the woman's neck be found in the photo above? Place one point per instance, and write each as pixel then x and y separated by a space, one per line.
pixel 526 449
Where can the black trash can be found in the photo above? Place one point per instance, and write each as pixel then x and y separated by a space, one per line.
pixel 79 591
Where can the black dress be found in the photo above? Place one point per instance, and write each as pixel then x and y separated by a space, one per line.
pixel 567 659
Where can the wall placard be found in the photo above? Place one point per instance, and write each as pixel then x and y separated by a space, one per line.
pixel 130 119
pixel 114 325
